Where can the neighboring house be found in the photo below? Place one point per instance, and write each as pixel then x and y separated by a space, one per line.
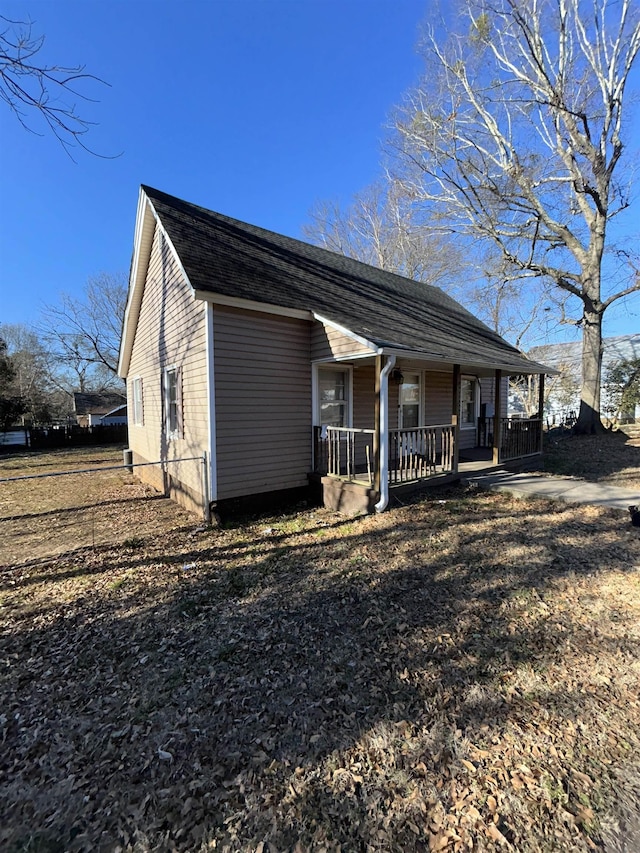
pixel 279 363
pixel 115 417
pixel 562 397
pixel 99 409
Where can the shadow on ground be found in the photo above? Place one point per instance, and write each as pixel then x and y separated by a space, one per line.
pixel 460 671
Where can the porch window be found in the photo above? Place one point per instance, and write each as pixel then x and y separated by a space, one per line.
pixel 409 401
pixel 172 402
pixel 136 392
pixel 333 407
pixel 468 402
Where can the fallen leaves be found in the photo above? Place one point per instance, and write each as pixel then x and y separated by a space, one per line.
pixel 282 692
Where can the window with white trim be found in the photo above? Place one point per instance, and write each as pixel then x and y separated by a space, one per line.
pixel 172 402
pixel 137 415
pixel 468 402
pixel 409 401
pixel 333 397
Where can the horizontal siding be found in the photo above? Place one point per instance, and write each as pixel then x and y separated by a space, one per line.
pixel 488 393
pixel 263 402
pixel 438 398
pixel 170 331
pixel 327 342
pixel 364 397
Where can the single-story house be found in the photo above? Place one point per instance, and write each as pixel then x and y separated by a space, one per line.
pixel 267 364
pixel 93 409
pixel 115 417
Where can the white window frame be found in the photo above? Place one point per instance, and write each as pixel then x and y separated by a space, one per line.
pixel 419 374
pixel 336 368
pixel 169 432
pixel 137 401
pixel 476 402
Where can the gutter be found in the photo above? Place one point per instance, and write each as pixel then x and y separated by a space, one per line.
pixel 384 434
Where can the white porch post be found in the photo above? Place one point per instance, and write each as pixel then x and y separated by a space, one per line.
pixel 383 426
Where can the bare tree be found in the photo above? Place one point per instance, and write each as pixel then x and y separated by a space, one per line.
pixel 83 335
pixel 516 133
pixel 34 379
pixel 381 227
pixel 32 88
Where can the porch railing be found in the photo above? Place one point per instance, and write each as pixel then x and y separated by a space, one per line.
pixel 520 437
pixel 414 454
pixel 344 452
pixel 421 452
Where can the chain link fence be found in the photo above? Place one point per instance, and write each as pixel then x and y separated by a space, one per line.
pixel 57 502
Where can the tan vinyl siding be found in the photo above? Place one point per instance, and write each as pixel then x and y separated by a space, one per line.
pixel 263 402
pixel 488 393
pixel 170 331
pixel 327 342
pixel 438 398
pixel 364 396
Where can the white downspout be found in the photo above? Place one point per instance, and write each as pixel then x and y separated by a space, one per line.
pixel 384 434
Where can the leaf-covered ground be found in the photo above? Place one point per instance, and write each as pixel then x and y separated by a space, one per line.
pixel 612 458
pixel 462 673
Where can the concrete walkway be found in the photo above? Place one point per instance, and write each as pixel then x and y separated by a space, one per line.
pixel 523 485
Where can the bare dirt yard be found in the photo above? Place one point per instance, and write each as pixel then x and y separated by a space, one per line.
pixel 461 673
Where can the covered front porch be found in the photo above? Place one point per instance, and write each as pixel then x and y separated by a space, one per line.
pixel 359 467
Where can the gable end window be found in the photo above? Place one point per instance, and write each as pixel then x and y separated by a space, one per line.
pixel 172 402
pixel 136 393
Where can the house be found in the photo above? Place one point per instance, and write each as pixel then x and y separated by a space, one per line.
pixel 93 409
pixel 257 364
pixel 562 394
pixel 115 417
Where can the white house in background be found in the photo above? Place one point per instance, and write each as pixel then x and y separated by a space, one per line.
pixel 562 402
pixel 289 368
pixel 93 409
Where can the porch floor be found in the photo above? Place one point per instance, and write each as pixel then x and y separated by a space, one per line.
pixel 475 459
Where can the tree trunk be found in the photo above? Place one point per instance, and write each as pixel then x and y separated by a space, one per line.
pixel 589 422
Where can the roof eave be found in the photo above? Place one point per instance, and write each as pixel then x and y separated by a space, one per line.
pixel 513 369
pixel 142 243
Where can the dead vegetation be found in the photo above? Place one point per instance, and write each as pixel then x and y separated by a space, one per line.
pixel 458 674
pixel 612 458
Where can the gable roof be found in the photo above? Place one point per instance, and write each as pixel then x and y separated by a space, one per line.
pixel 567 357
pixel 225 257
pixel 85 403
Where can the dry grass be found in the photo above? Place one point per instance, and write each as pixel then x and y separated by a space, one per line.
pixel 47 517
pixel 612 458
pixel 459 674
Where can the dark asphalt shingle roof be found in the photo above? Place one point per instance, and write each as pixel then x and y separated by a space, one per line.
pixel 96 404
pixel 225 256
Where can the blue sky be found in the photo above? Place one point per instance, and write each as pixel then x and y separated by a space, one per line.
pixel 254 108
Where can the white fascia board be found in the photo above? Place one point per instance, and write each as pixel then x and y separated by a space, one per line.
pixel 376 350
pixel 252 305
pixel 146 221
pixel 506 368
pixel 134 296
pixel 338 359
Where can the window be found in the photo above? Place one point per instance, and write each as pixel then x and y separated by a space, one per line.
pixel 333 403
pixel 468 402
pixel 172 402
pixel 136 392
pixel 409 401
